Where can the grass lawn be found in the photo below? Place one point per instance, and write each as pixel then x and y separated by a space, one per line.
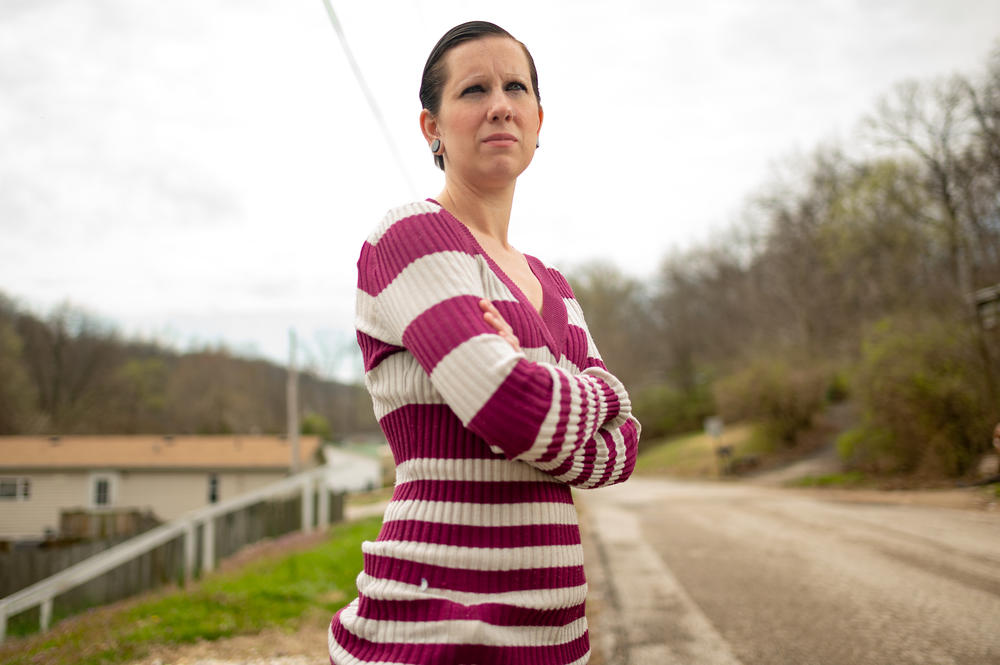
pixel 279 591
pixel 693 455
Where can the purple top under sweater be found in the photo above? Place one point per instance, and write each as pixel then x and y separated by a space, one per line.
pixel 479 557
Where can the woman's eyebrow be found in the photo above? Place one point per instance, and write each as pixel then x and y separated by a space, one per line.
pixel 478 77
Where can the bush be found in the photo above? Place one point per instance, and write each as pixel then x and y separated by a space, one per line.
pixel 780 395
pixel 868 447
pixel 664 410
pixel 923 394
pixel 838 388
pixel 317 424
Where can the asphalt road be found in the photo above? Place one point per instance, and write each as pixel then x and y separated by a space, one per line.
pixel 716 574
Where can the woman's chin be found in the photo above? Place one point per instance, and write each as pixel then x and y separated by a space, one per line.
pixel 503 171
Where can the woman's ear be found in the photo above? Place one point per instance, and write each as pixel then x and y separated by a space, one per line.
pixel 429 126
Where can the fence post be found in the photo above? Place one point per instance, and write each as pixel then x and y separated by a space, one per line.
pixel 323 521
pixel 208 545
pixel 189 547
pixel 46 614
pixel 307 505
pixel 3 622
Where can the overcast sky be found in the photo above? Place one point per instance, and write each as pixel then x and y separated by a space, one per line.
pixel 206 170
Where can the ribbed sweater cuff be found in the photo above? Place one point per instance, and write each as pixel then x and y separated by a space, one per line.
pixel 619 406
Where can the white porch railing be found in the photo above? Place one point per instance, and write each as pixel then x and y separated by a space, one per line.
pixel 42 593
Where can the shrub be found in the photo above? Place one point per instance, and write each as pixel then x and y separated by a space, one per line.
pixel 923 394
pixel 781 395
pixel 838 388
pixel 665 410
pixel 868 447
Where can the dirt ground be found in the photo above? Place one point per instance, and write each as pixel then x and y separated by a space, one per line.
pixel 270 647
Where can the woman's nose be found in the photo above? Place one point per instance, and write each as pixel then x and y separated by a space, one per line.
pixel 500 108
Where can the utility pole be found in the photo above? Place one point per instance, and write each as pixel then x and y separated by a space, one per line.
pixel 292 399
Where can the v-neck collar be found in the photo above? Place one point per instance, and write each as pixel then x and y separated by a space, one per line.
pixel 553 319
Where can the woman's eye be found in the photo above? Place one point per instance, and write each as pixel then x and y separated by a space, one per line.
pixel 517 85
pixel 472 89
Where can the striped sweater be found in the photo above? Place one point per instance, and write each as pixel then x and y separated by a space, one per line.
pixel 479 557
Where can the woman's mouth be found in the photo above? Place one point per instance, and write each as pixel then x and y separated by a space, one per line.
pixel 500 140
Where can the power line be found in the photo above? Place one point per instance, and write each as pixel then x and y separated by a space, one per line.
pixel 369 96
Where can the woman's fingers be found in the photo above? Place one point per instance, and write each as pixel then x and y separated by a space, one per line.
pixel 492 316
pixel 491 312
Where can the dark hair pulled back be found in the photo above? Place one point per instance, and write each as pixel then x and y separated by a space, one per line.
pixel 434 76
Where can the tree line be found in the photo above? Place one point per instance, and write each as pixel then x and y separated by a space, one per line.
pixel 851 274
pixel 71 373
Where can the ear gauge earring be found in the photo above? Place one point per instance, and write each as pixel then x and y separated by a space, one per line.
pixel 435 146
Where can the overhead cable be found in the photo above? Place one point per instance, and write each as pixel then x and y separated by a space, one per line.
pixel 369 96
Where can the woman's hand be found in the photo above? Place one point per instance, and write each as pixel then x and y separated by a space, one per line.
pixel 492 317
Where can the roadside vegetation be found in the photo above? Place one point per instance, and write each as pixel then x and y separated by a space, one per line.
pixel 276 592
pixel 694 455
pixel 866 272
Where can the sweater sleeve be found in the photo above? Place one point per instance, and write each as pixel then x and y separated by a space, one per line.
pixel 423 286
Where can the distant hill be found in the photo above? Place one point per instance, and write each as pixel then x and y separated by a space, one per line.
pixel 72 373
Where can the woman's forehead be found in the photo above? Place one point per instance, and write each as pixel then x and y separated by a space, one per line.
pixel 486 56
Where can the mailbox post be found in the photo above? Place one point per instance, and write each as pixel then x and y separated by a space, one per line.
pixel 723 454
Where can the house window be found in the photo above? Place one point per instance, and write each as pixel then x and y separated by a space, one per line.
pixel 102 492
pixel 15 489
pixel 103 489
pixel 213 488
pixel 8 489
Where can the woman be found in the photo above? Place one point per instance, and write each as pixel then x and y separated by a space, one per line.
pixel 489 390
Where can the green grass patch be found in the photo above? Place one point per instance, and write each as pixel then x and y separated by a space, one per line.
pixel 693 455
pixel 278 592
pixel 846 479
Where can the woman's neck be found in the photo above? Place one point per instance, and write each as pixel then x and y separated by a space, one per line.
pixel 485 213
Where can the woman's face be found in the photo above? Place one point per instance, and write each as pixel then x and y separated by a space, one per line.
pixel 489 117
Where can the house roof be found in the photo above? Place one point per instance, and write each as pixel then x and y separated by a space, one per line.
pixel 150 451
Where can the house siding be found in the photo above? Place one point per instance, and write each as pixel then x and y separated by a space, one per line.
pixel 167 494
pixel 25 519
pixel 171 494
